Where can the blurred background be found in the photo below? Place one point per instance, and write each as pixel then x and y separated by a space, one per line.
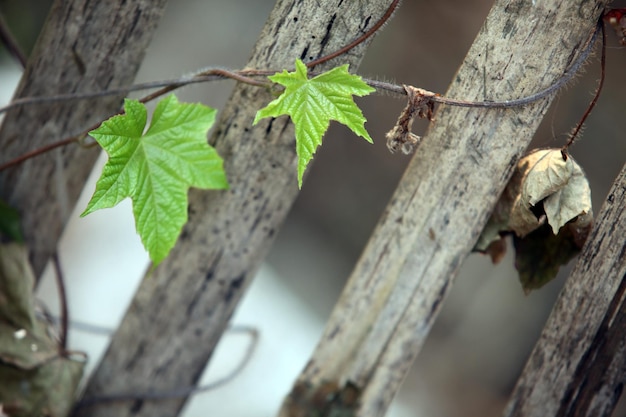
pixel 487 327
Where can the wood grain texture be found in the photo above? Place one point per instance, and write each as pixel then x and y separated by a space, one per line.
pixel 439 208
pixel 182 308
pixel 84 46
pixel 578 367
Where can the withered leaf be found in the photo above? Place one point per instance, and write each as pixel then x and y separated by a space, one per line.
pixel 36 379
pixel 556 181
pixel 498 223
pixel 547 207
pixel 540 254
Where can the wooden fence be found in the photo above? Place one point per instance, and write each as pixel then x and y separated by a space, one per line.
pixel 396 289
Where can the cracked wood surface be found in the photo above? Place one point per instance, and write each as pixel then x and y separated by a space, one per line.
pixel 578 367
pixel 83 46
pixel 438 210
pixel 182 308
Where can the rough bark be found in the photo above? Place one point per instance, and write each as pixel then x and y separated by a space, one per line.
pixel 181 308
pixel 84 46
pixel 578 367
pixel 439 209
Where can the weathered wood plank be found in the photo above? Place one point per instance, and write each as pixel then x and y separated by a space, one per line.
pixel 578 367
pixel 84 46
pixel 439 208
pixel 181 309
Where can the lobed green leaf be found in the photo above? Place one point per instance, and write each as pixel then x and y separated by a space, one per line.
pixel 313 103
pixel 156 168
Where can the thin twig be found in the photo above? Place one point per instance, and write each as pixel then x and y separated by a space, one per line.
pixel 37 152
pixel 217 74
pixel 557 85
pixel 73 324
pixel 184 391
pixel 209 74
pixel 390 10
pixel 579 126
pixel 244 76
pixel 6 37
pixel 62 300
pixel 212 73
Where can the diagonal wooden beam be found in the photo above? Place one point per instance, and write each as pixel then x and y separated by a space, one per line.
pixel 438 210
pixel 182 308
pixel 578 367
pixel 83 46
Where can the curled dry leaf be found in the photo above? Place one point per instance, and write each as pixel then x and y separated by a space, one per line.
pixel 547 206
pixel 556 182
pixel 419 104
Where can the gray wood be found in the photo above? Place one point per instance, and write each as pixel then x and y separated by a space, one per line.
pixel 181 309
pixel 83 46
pixel 439 208
pixel 578 367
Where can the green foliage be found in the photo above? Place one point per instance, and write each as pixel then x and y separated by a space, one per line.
pixel 10 223
pixel 313 103
pixel 156 168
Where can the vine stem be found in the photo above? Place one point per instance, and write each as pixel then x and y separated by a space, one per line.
pixel 209 74
pixel 379 24
pixel 596 96
pixel 181 392
pixel 557 85
pixel 7 38
pixel 245 76
pixel 38 151
pixel 62 300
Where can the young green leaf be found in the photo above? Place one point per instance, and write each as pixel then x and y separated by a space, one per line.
pixel 156 168
pixel 313 103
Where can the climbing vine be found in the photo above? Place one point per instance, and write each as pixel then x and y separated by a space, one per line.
pixel 155 167
pixel 546 207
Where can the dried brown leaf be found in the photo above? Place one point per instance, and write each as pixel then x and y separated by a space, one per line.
pixel 546 187
pixel 540 254
pixel 558 183
pixel 498 222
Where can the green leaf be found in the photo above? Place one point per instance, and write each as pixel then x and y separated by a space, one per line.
pixel 156 168
pixel 10 223
pixel 313 103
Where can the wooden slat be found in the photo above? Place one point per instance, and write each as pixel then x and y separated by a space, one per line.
pixel 84 46
pixel 578 367
pixel 439 208
pixel 181 308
